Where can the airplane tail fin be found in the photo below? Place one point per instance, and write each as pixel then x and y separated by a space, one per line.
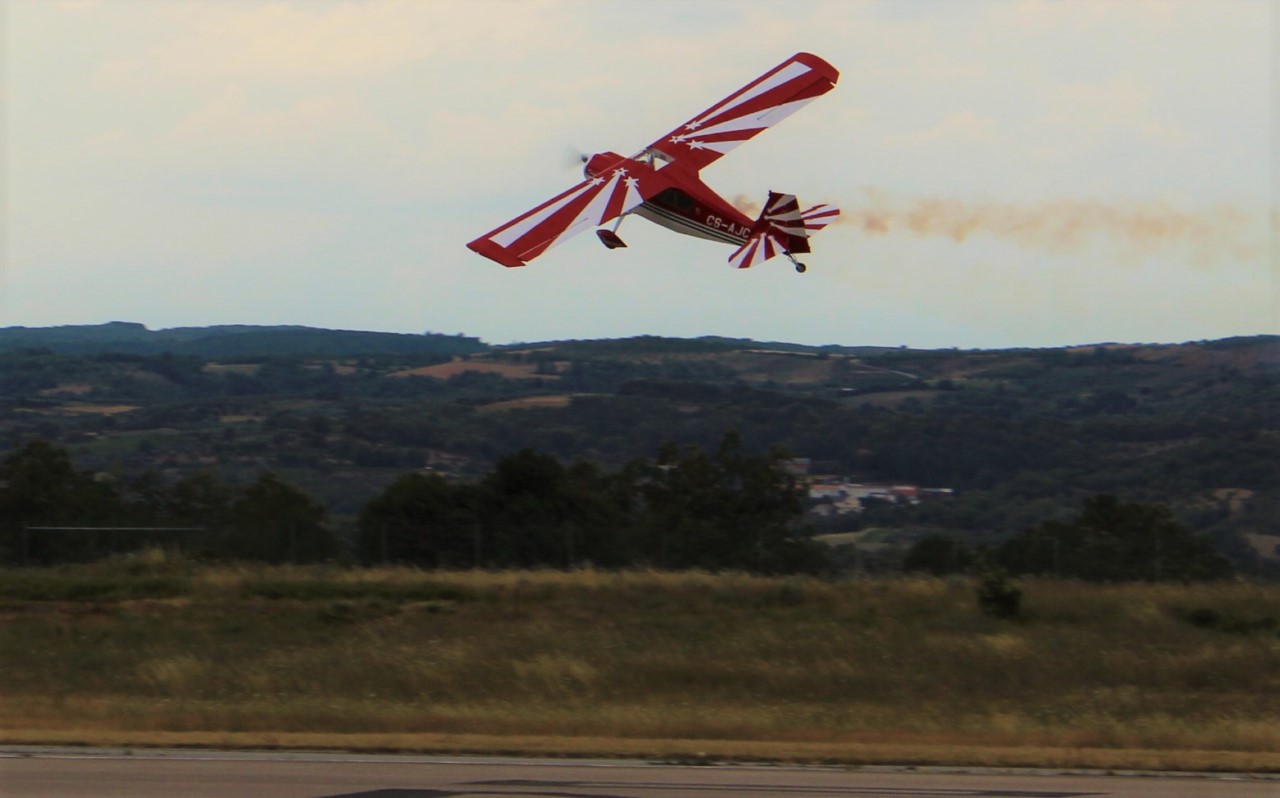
pixel 782 229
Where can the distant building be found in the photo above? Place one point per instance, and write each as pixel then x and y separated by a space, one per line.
pixel 798 466
pixel 837 496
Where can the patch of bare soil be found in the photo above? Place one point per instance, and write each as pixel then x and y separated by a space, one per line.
pixel 507 370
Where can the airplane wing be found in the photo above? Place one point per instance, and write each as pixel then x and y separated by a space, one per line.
pixel 760 104
pixel 589 204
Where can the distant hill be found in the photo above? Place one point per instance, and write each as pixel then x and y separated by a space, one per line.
pixel 222 341
pixel 1017 435
pixel 660 345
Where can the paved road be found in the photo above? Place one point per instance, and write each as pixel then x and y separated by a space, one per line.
pixel 68 773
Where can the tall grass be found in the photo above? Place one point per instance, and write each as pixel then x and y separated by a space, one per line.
pixel 638 655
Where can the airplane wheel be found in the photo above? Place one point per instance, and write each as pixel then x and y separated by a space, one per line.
pixel 800 268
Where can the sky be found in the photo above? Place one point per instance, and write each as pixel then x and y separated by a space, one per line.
pixel 1011 172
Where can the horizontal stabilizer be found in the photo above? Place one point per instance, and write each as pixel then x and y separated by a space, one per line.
pixel 782 229
pixel 758 249
pixel 818 217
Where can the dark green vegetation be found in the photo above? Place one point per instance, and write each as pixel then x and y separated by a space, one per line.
pixel 1023 437
pixel 1109 541
pixel 684 510
pixel 150 644
pixel 229 341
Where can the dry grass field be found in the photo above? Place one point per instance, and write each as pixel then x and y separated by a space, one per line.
pixel 527 402
pixel 505 369
pixel 151 650
pixel 96 409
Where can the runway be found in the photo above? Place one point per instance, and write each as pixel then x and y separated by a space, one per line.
pixel 103 773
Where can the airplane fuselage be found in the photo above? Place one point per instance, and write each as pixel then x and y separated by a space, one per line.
pixel 689 206
pixel 678 211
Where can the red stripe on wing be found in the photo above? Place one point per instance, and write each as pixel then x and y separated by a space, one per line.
pixel 588 204
pixel 760 104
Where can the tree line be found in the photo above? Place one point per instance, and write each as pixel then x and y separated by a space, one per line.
pixel 686 508
pixel 1107 541
pixel 51 512
pixel 726 509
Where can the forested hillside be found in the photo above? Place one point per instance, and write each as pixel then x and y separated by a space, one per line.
pixel 229 340
pixel 1019 436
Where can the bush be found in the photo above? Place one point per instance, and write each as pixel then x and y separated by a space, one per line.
pixel 998 595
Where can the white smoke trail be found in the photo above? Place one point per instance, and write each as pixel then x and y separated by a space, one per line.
pixel 1219 231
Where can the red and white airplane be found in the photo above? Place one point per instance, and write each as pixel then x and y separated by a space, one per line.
pixel 660 183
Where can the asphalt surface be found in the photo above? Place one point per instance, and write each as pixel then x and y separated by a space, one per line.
pixel 89 773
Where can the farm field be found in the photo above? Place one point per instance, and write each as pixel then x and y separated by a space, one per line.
pixel 155 650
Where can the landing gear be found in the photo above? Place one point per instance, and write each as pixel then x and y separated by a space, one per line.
pixel 800 267
pixel 610 237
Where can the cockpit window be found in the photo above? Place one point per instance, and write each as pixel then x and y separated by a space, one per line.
pixel 675 198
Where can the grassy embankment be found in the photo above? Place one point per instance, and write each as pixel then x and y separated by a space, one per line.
pixel 153 651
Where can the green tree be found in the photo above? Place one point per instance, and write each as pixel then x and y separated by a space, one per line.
pixel 536 511
pixel 421 519
pixel 732 510
pixel 39 486
pixel 200 499
pixel 276 522
pixel 997 594
pixel 1115 541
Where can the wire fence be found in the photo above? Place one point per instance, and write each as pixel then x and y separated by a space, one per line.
pixel 91 542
